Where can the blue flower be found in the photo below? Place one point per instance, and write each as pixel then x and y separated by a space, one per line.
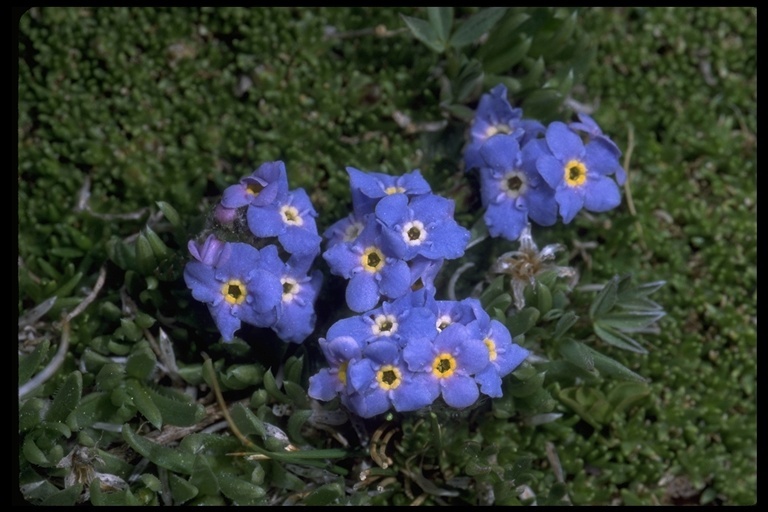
pixel 512 189
pixel 588 126
pixel 381 380
pixel 368 187
pixel 291 219
pixel 423 273
pixel 450 362
pixel 422 226
pixel 331 382
pixel 265 185
pixel 371 272
pixel 296 312
pixel 346 229
pixel 494 115
pixel 401 321
pixel 503 355
pixel 579 173
pixel 237 288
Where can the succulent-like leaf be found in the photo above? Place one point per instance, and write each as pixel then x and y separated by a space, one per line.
pixel 169 458
pixel 424 32
pixel 469 30
pixel 441 19
pixel 67 398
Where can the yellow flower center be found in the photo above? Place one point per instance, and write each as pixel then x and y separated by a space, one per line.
pixel 491 348
pixel 291 215
pixel 233 291
pixel 389 377
pixel 575 173
pixel 384 325
pixel 514 184
pixel 254 188
pixel 342 373
pixel 443 366
pixel 372 260
pixel 291 288
pixel 394 190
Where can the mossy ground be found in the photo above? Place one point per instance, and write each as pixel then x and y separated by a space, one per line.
pixel 120 108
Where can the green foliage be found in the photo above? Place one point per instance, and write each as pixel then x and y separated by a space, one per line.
pixel 132 120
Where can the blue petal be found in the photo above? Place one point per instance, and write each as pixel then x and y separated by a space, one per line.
pixel 226 322
pixel 362 292
pixel 563 143
pixel 570 201
pixel 323 385
pixel 459 391
pixel 542 207
pixel 370 404
pixel 300 240
pixel 501 152
pixel 415 393
pixel 552 170
pixel 490 381
pixel 602 195
pixel 395 279
pixel 505 221
pixel 201 280
pixel 265 221
pixel 392 210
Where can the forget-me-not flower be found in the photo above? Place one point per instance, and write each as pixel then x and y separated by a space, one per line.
pixel 580 173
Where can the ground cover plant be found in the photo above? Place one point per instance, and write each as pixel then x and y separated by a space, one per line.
pixel 234 223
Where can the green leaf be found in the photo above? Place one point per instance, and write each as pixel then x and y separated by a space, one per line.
pixel 144 403
pixel 522 321
pixel 476 25
pixel 170 213
pixel 240 491
pixel 575 351
pixel 297 394
pixel 617 338
pixel 624 394
pixel 176 412
pixel 28 364
pixel 327 494
pixel 271 386
pixel 181 490
pixel 157 245
pixel 65 498
pixel 293 368
pixel 424 32
pixel 247 422
pixel 241 376
pixel 67 398
pixel 441 19
pixel 110 376
pixel 141 363
pixel 503 60
pixel 94 407
pixel 295 422
pixel 543 104
pixel 605 299
pixel 564 323
pixel 31 413
pixel 203 476
pixel 145 256
pixel 172 459
pixel 630 321
pixel 102 498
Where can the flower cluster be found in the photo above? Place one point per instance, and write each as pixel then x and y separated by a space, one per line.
pixel 529 172
pixel 263 276
pixel 411 351
pixel 395 240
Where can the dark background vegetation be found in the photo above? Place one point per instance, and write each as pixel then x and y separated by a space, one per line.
pixel 120 108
